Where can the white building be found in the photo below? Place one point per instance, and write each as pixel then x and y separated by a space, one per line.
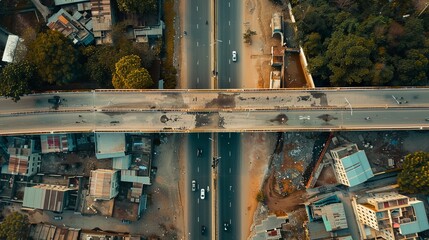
pixel 351 165
pixel 391 215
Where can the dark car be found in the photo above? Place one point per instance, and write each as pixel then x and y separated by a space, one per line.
pixel 203 230
pixel 58 218
pixel 226 226
pixel 55 100
pixel 125 221
pixel 199 152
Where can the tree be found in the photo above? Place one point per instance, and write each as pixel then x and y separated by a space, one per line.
pixel 129 74
pixel 14 227
pixel 260 197
pixel 15 80
pixel 414 177
pixel 54 57
pixel 412 69
pixel 145 6
pixel 247 36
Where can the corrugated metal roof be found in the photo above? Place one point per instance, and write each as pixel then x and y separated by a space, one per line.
pixel 101 183
pixel 9 51
pixel 357 168
pixel 64 2
pixel 122 162
pixel 46 197
pixel 131 176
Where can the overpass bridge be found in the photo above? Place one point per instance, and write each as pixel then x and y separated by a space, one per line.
pixel 233 110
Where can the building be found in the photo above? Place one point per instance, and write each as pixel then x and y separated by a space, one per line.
pixel 275 79
pixel 46 197
pixel 143 34
pixel 351 165
pixel 13 46
pixel 104 184
pixel 72 27
pixel 390 215
pixel 56 143
pixel 277 25
pixel 109 145
pixel 269 228
pixel 24 157
pixel 66 2
pixel 43 231
pixel 101 12
pixel 277 56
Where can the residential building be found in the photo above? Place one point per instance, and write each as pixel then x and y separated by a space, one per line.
pixel 56 143
pixel 13 46
pixel 390 215
pixel 24 158
pixel 109 145
pixel 71 27
pixel 43 231
pixel 104 184
pixel 66 2
pixel 351 165
pixel 269 228
pixel 275 79
pixel 101 12
pixel 47 197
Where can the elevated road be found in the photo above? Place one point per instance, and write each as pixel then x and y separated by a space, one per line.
pixel 218 111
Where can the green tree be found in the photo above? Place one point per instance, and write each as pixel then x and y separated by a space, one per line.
pixel 14 227
pixel 414 177
pixel 260 197
pixel 54 57
pixel 15 80
pixel 247 36
pixel 129 74
pixel 145 6
pixel 349 59
pixel 412 70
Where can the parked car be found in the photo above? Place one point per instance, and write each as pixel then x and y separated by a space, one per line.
pixel 58 218
pixel 125 221
pixel 203 193
pixel 194 185
pixel 234 56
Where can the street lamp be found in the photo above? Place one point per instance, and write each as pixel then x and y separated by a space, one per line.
pixel 351 109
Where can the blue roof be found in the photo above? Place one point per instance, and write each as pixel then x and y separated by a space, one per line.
pixel 421 224
pixel 357 168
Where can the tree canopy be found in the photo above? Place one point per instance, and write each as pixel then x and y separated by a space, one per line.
pixel 14 227
pixel 15 80
pixel 145 6
pixel 414 177
pixel 361 43
pixel 54 57
pixel 129 74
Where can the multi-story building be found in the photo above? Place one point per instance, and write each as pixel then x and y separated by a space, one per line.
pixel 46 197
pixel 104 184
pixel 102 21
pixel 390 215
pixel 351 165
pixel 24 158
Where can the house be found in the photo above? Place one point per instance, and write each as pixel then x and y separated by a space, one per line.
pixel 351 165
pixel 56 143
pixel 71 27
pixel 13 45
pixel 390 215
pixel 269 228
pixel 104 184
pixel 47 197
pixel 101 12
pixel 24 158
pixel 109 145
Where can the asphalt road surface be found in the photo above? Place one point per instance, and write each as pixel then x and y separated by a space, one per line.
pixel 200 209
pixel 229 145
pixel 197 45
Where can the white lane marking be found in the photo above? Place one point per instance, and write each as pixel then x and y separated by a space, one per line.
pixel 197 44
pixel 198 200
pixel 229 135
pixel 198 134
pixel 197 25
pixel 229 79
pixel 229 170
pixel 198 219
pixel 229 4
pixel 198 169
pixel 198 81
pixel 197 8
pixel 229 61
pixel 230 221
pixel 230 153
pixel 229 42
pixel 198 62
pixel 229 23
pixel 230 187
pixel 230 204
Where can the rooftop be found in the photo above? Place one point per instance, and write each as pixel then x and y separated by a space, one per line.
pixel 47 197
pixel 104 183
pixel 109 145
pixel 357 168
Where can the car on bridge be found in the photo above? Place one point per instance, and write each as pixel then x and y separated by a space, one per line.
pixel 194 185
pixel 234 56
pixel 203 230
pixel 203 193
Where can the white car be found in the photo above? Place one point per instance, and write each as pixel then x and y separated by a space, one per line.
pixel 203 193
pixel 234 56
pixel 194 183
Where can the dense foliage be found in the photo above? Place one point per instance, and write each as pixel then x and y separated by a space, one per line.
pixel 145 6
pixel 414 177
pixel 129 74
pixel 15 80
pixel 54 57
pixel 14 227
pixel 361 43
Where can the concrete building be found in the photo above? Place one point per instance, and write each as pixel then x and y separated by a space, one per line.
pixel 70 27
pixel 102 18
pixel 275 79
pixel 24 158
pixel 46 197
pixel 56 143
pixel 390 215
pixel 13 46
pixel 104 184
pixel 351 165
pixel 269 228
pixel 66 2
pixel 109 145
